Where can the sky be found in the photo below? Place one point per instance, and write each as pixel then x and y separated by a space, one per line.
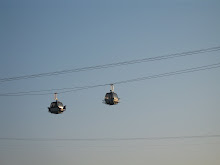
pixel 47 36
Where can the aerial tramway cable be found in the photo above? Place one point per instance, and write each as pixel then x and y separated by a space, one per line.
pixel 74 89
pixel 113 139
pixel 164 57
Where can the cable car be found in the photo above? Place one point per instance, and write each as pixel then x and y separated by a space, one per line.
pixel 111 98
pixel 57 106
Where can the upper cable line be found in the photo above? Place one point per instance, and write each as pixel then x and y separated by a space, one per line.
pixel 149 59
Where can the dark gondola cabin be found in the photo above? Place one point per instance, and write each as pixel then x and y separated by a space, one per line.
pixel 111 98
pixel 56 107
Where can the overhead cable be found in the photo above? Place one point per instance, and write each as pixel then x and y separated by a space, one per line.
pixel 66 71
pixel 74 89
pixel 113 139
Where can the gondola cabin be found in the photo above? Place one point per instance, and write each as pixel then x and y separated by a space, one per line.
pixel 56 107
pixel 111 98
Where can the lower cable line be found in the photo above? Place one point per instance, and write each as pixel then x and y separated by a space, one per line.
pixel 114 139
pixel 74 89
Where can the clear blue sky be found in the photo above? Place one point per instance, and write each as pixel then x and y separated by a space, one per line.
pixel 45 36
